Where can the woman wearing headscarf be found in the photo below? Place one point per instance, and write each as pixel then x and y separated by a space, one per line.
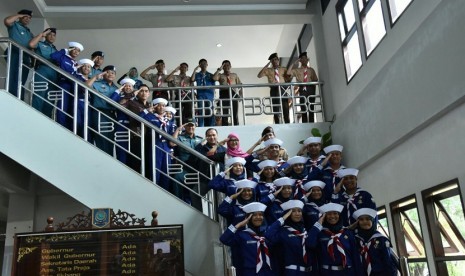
pixel 283 193
pixel 267 176
pixel 224 181
pixel 289 233
pixel 231 207
pixel 378 258
pixel 335 244
pixel 250 243
pixel 134 75
pixel 313 199
pixel 296 170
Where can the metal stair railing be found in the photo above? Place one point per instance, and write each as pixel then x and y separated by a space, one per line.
pixel 106 124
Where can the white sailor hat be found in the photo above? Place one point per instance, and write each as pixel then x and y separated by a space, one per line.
pixel 293 203
pixel 297 160
pixel 76 45
pixel 314 183
pixel 331 207
pixel 86 61
pixel 231 161
pixel 170 109
pixel 245 183
pixel 267 163
pixel 159 100
pixel 273 141
pixel 312 140
pixel 365 212
pixel 128 80
pixel 254 207
pixel 345 172
pixel 332 148
pixel 284 181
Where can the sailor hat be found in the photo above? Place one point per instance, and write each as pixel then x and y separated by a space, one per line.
pixel 365 212
pixel 331 207
pixel 254 207
pixel 293 203
pixel 284 181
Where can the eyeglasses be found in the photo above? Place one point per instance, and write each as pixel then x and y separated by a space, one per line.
pixel 274 147
pixel 233 140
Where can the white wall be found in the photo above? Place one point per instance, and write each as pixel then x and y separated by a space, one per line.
pixel 401 116
pixel 97 180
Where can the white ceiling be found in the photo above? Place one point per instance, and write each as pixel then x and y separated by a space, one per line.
pixel 139 32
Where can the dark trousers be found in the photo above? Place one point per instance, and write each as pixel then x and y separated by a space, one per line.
pixel 184 105
pixel 226 103
pixel 103 138
pixel 65 111
pixel 13 72
pixel 307 117
pixel 276 102
pixel 40 99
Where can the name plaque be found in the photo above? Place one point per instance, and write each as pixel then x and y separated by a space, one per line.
pixel 130 251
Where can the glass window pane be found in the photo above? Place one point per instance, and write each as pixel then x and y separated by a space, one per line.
pixel 352 56
pixel 373 26
pixel 453 207
pixel 382 225
pixel 397 7
pixel 449 214
pixel 349 14
pixel 360 5
pixel 412 233
pixel 455 268
pixel 341 27
pixel 418 268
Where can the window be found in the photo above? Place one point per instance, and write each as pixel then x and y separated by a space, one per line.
pixel 446 221
pixel 349 37
pixel 396 8
pixel 383 227
pixel 408 235
pixel 372 19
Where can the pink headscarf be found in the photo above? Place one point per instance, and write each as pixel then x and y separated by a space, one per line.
pixel 237 151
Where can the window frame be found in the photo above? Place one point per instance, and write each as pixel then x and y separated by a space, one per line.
pixel 401 246
pixel 381 216
pixel 362 13
pixel 349 34
pixel 390 15
pixel 429 200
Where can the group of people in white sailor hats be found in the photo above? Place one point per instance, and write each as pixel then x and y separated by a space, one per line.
pixel 302 216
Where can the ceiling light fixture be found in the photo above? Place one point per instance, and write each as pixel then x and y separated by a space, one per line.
pixel 186 1
pixel 219 45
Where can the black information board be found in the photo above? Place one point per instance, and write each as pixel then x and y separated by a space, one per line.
pixel 131 251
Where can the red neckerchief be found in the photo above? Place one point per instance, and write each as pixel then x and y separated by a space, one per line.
pixel 335 242
pixel 304 236
pixel 261 248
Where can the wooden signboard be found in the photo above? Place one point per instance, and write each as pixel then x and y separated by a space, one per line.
pixel 129 251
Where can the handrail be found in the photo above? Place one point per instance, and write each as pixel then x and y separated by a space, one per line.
pixel 267 108
pixel 144 123
pixel 108 100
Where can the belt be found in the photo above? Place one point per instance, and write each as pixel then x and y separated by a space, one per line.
pixel 333 267
pixel 300 268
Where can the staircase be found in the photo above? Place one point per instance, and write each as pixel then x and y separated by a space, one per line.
pixel 96 180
